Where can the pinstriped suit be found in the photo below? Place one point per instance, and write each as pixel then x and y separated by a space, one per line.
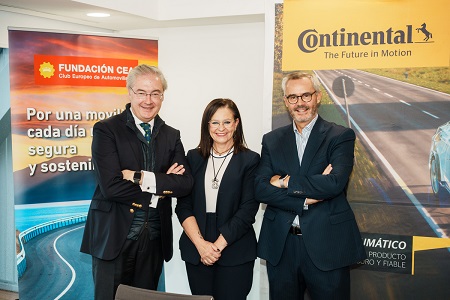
pixel 331 237
pixel 117 145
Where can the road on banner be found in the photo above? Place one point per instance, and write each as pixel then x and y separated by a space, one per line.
pixel 395 121
pixel 52 276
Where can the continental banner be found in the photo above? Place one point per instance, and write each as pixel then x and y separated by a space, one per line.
pixel 384 70
pixel 61 84
pixel 330 34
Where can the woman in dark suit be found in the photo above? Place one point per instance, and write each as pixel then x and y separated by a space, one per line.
pixel 218 244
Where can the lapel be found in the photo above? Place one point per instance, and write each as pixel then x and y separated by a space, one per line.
pixel 316 138
pixel 198 169
pixel 133 142
pixel 289 149
pixel 201 179
pixel 233 165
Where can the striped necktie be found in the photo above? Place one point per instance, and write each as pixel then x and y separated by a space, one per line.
pixel 147 130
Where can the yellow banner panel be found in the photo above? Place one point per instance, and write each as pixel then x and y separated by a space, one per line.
pixel 421 243
pixel 347 34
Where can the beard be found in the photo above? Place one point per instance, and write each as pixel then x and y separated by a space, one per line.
pixel 306 115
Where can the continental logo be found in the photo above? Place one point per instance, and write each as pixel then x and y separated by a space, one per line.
pixel 310 40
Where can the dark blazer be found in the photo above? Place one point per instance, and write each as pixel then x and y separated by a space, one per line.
pixel 236 208
pixel 329 228
pixel 117 145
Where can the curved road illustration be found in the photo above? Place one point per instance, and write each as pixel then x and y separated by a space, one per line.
pixel 56 269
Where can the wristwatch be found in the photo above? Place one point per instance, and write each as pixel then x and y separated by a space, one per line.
pixel 137 177
pixel 282 177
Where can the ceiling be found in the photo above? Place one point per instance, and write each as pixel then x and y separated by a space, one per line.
pixel 75 12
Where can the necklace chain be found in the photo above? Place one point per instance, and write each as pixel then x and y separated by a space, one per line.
pixel 215 181
pixel 220 153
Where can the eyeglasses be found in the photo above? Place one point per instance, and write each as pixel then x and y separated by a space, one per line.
pixel 216 124
pixel 143 95
pixel 306 97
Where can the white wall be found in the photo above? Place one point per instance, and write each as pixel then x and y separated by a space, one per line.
pixel 206 62
pixel 203 63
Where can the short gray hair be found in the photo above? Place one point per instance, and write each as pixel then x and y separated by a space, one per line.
pixel 298 75
pixel 143 70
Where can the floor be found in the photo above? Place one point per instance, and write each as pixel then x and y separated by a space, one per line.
pixel 5 295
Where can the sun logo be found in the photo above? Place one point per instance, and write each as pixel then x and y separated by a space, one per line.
pixel 47 70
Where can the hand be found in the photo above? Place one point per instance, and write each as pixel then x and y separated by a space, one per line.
pixel 325 172
pixel 209 253
pixel 310 201
pixel 176 169
pixel 275 180
pixel 128 175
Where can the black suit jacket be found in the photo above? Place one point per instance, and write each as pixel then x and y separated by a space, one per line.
pixel 329 228
pixel 117 145
pixel 235 210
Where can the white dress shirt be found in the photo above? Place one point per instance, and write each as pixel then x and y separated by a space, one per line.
pixel 149 179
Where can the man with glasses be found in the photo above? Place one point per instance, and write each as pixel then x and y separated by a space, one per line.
pixel 139 165
pixel 309 236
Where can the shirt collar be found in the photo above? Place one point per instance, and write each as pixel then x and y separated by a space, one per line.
pixel 308 127
pixel 138 122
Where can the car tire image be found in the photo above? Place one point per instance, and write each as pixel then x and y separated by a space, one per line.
pixel 435 175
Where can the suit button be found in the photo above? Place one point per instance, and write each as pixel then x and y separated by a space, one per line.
pixel 131 210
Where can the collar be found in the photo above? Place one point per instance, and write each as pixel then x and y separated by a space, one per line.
pixel 308 127
pixel 137 121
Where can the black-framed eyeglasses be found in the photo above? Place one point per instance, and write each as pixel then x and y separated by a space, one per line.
pixel 143 95
pixel 306 97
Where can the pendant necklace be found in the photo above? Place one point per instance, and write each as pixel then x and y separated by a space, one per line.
pixel 215 181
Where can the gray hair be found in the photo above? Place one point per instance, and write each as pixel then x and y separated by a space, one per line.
pixel 143 70
pixel 300 75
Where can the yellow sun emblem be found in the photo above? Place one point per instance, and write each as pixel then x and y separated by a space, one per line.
pixel 47 70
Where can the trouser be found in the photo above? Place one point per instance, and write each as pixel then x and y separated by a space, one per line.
pixel 139 264
pixel 221 282
pixel 296 273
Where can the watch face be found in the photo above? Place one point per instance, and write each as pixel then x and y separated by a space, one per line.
pixel 137 175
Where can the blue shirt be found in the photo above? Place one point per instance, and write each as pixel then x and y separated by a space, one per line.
pixel 301 139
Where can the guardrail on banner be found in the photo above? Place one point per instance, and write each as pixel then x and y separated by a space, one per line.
pixel 34 231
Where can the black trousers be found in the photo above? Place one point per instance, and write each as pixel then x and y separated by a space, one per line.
pixel 221 282
pixel 296 273
pixel 139 264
